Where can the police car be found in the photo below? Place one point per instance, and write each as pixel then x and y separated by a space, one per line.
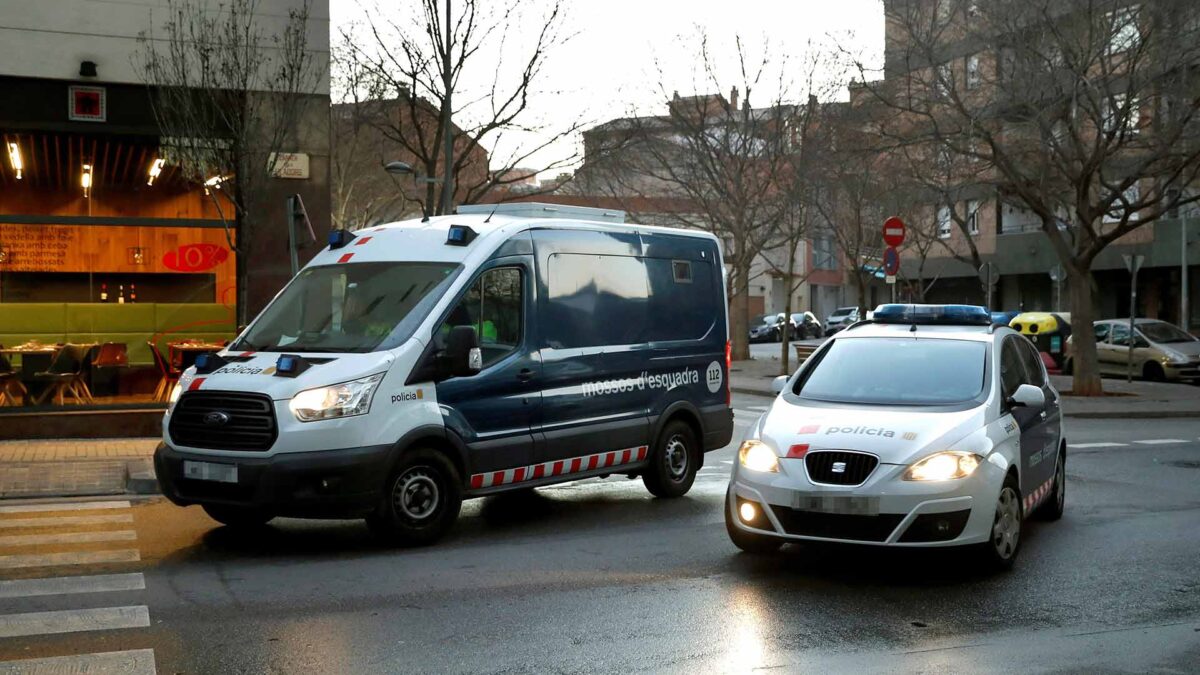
pixel 416 364
pixel 925 426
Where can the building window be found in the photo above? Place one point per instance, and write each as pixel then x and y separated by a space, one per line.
pixel 824 255
pixel 973 74
pixel 944 81
pixel 1129 197
pixel 1124 31
pixel 943 222
pixel 1121 110
pixel 973 217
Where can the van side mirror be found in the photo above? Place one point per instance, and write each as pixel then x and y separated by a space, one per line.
pixel 778 384
pixel 1028 396
pixel 463 357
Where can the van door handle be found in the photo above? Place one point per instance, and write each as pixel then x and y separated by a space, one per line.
pixel 525 375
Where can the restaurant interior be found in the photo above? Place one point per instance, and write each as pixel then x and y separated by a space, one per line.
pixel 115 272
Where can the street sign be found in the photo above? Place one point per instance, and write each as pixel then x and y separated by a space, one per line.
pixel 890 279
pixel 1057 273
pixel 1133 262
pixel 989 273
pixel 891 261
pixel 893 231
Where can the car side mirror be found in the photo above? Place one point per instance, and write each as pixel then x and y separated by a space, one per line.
pixel 463 356
pixel 779 384
pixel 1028 396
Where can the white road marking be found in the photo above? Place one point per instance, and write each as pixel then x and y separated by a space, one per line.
pixel 98 583
pixel 69 506
pixel 1161 441
pixel 68 558
pixel 133 662
pixel 727 461
pixel 74 621
pixel 1098 445
pixel 759 408
pixel 55 521
pixel 67 537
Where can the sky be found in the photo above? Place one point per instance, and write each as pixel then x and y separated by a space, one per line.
pixel 622 55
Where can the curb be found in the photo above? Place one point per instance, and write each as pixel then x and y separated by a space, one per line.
pixel 140 478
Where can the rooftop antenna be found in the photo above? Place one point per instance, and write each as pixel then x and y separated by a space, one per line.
pixel 489 218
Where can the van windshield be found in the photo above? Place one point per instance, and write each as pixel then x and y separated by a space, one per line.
pixel 359 307
pixel 897 371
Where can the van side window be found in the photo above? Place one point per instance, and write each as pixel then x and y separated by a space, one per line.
pixel 595 300
pixel 681 310
pixel 493 306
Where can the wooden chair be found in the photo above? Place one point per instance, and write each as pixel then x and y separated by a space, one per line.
pixel 111 359
pixel 12 390
pixel 167 375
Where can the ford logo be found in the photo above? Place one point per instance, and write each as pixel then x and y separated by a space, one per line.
pixel 216 419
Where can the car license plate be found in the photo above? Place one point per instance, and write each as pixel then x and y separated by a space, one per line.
pixel 857 506
pixel 221 473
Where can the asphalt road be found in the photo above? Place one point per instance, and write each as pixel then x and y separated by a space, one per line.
pixel 599 577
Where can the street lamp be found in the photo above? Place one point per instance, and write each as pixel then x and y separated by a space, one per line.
pixel 398 168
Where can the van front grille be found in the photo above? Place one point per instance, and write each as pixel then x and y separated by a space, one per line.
pixel 224 420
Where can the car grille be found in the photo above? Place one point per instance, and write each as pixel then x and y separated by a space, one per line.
pixel 838 525
pixel 858 466
pixel 251 426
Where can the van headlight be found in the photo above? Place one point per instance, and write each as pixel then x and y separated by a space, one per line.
pixel 176 392
pixel 758 456
pixel 944 466
pixel 336 400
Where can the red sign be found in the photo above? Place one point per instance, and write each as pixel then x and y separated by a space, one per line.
pixel 893 231
pixel 891 261
pixel 195 257
pixel 87 104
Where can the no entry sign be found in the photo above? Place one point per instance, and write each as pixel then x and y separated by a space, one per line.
pixel 891 261
pixel 893 231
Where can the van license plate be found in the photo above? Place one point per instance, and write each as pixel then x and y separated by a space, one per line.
pixel 221 473
pixel 857 506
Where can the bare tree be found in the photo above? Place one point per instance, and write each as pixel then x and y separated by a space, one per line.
pixel 719 162
pixel 227 97
pixel 1086 110
pixel 414 58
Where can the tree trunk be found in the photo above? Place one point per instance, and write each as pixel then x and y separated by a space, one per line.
pixel 739 312
pixel 862 297
pixel 785 338
pixel 1083 341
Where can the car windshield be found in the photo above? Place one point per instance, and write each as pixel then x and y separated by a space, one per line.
pixel 897 371
pixel 1161 331
pixel 349 308
pixel 844 311
pixel 763 318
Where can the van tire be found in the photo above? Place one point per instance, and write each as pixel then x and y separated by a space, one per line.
pixel 237 517
pixel 421 499
pixel 674 460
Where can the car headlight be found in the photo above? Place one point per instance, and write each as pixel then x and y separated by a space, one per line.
pixel 337 400
pixel 1176 357
pixel 758 456
pixel 944 466
pixel 176 391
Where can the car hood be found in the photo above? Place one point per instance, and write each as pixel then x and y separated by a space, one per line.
pixel 1186 348
pixel 896 435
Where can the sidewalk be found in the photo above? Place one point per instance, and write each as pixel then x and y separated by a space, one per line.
pixel 1133 400
pixel 76 468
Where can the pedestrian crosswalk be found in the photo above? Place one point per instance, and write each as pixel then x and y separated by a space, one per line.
pixel 66 540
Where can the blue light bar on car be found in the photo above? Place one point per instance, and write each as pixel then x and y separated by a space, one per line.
pixel 933 315
pixel 339 238
pixel 460 235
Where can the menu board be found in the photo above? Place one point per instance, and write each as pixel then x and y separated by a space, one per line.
pixel 37 248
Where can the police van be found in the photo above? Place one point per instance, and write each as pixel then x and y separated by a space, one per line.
pixel 416 364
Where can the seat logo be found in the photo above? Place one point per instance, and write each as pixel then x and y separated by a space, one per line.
pixel 216 419
pixel 839 467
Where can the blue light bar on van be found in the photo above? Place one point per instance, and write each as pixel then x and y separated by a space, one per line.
pixel 339 238
pixel 207 363
pixel 290 365
pixel 460 235
pixel 933 315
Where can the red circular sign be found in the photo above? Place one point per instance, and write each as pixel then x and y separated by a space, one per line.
pixel 893 231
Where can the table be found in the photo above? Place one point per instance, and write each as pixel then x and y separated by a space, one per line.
pixel 36 358
pixel 183 354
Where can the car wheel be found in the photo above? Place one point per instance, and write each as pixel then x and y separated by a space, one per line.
pixel 748 541
pixel 1153 372
pixel 1000 550
pixel 1053 508
pixel 673 461
pixel 421 499
pixel 238 517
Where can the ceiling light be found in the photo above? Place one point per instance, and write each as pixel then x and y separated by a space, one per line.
pixel 156 168
pixel 14 157
pixel 86 180
pixel 215 181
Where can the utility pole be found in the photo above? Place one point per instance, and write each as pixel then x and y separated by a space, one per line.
pixel 447 82
pixel 1184 319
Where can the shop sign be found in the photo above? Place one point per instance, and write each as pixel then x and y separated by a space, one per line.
pixel 195 257
pixel 289 165
pixel 87 104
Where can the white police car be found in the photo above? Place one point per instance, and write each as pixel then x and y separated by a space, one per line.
pixel 924 426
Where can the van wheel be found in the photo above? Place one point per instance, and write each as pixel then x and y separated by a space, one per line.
pixel 999 552
pixel 238 517
pixel 673 461
pixel 421 499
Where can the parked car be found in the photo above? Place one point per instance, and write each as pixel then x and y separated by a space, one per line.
pixel 768 327
pixel 841 317
pixel 1160 350
pixel 805 325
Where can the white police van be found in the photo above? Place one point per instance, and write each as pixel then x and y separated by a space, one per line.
pixel 415 364
pixel 924 426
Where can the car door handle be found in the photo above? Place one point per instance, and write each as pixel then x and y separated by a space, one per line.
pixel 525 375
